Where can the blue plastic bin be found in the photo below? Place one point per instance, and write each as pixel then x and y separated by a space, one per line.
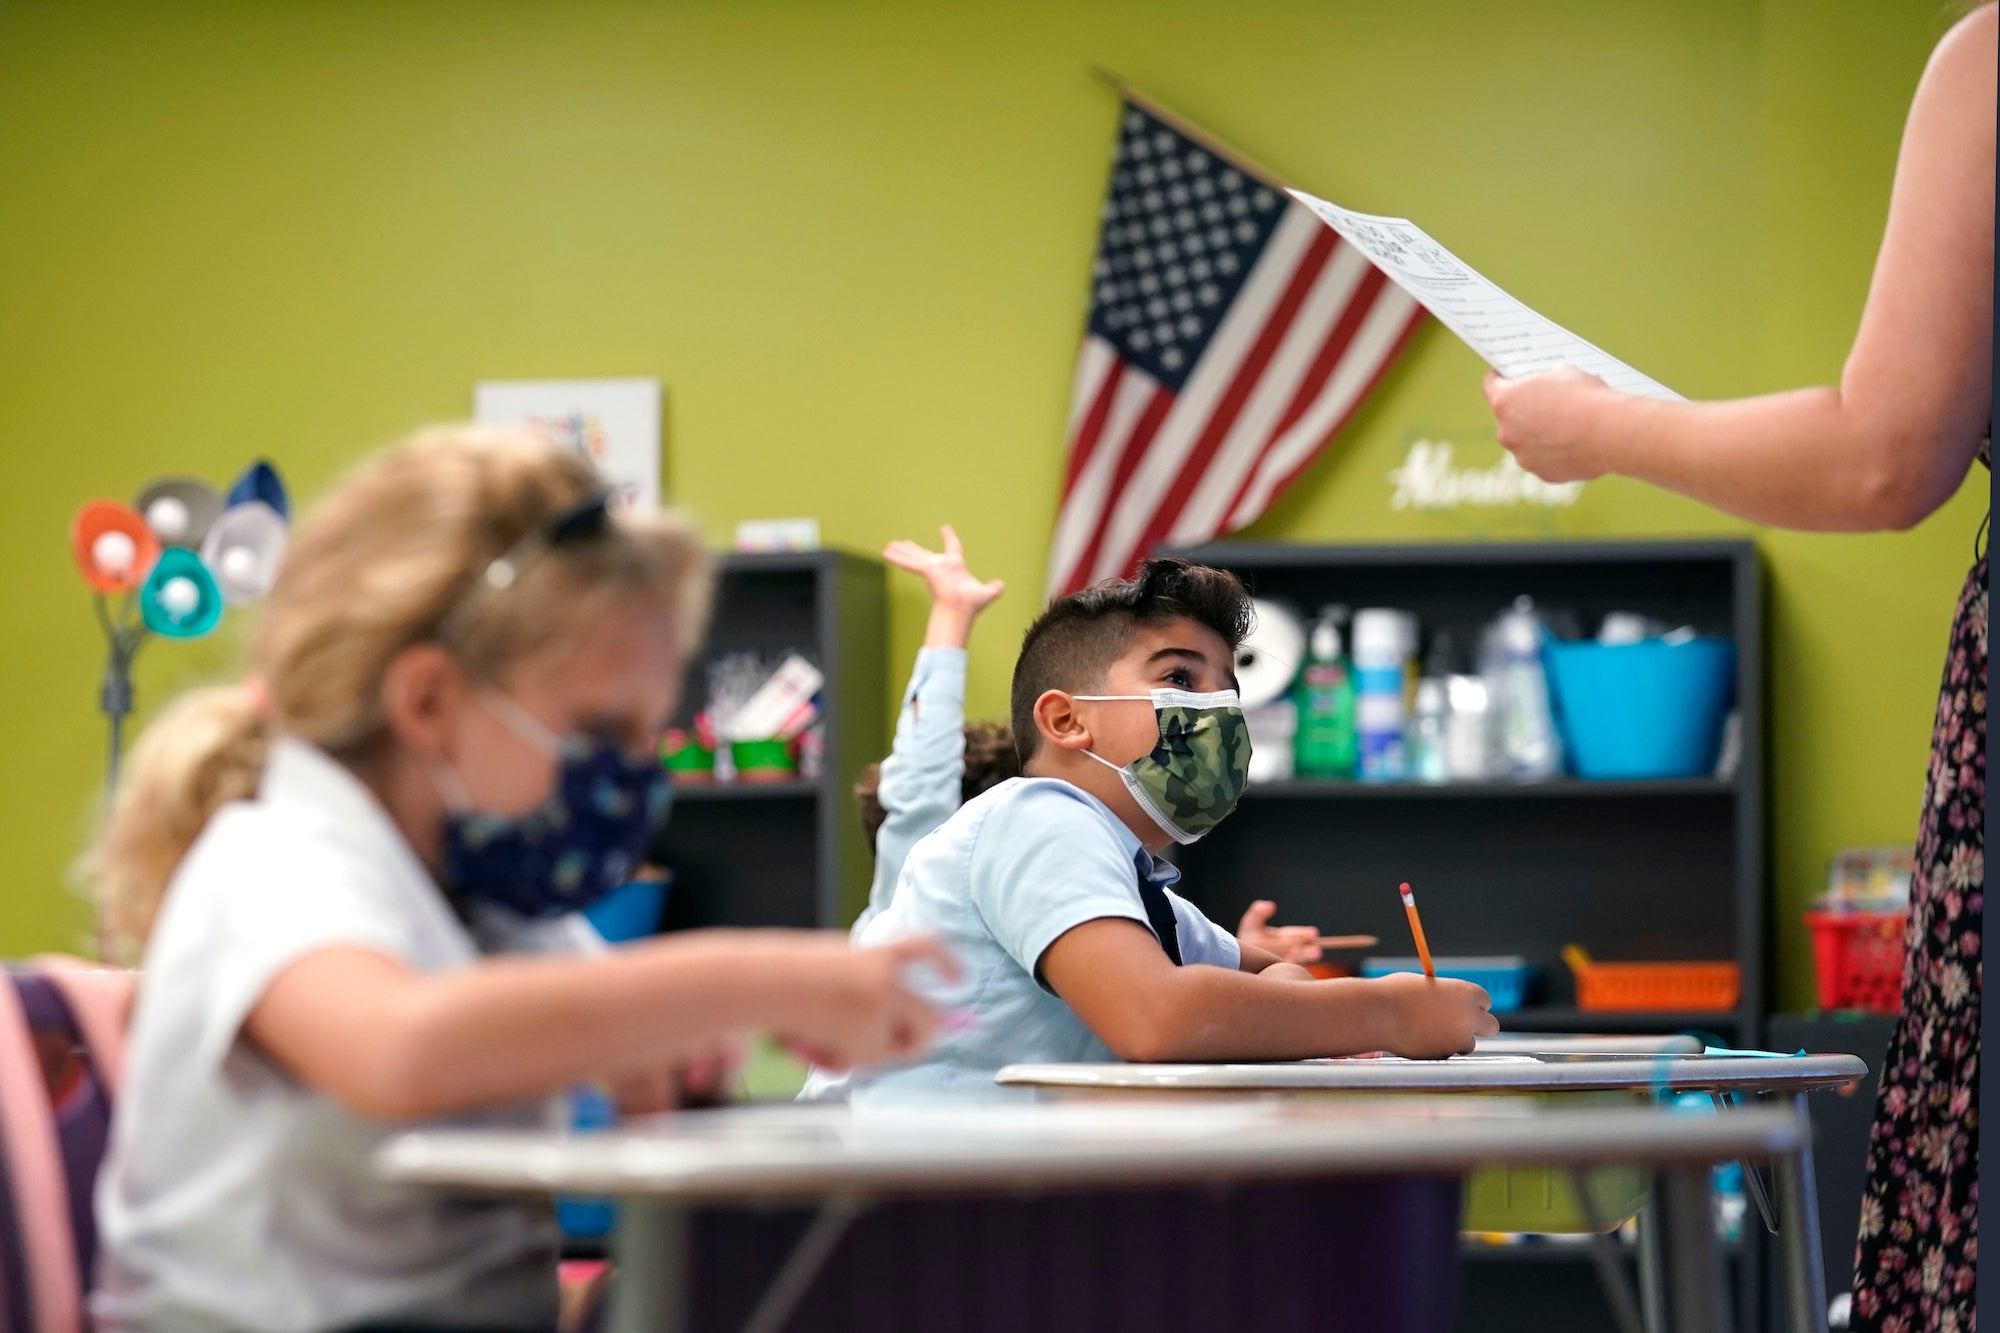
pixel 1642 710
pixel 584 1217
pixel 1506 978
pixel 630 911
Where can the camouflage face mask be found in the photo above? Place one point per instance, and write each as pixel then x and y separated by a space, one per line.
pixel 1196 774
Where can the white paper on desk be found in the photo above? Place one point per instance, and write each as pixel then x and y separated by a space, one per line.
pixel 1508 336
pixel 1408 1060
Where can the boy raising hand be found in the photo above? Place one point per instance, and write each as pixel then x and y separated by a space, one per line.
pixel 938 762
pixel 1050 891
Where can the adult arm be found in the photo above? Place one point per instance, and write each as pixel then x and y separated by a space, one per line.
pixel 1892 441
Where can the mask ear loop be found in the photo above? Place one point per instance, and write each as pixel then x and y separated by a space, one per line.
pixel 1109 698
pixel 450 788
pixel 517 720
pixel 521 722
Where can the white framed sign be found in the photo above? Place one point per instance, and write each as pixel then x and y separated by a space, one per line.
pixel 613 422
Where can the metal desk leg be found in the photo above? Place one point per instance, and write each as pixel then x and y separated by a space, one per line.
pixel 1798 1233
pixel 1652 1265
pixel 649 1293
pixel 1694 1266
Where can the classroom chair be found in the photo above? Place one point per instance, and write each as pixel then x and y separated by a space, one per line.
pixel 62 1051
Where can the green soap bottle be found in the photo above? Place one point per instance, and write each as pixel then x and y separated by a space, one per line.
pixel 1325 746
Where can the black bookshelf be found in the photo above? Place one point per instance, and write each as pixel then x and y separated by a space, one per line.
pixel 1633 871
pixel 786 853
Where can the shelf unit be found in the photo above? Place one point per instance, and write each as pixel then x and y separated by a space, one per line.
pixel 1633 871
pixel 1479 1252
pixel 785 853
pixel 1551 789
pixel 1537 1287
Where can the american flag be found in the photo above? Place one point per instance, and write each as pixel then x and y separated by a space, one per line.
pixel 1231 334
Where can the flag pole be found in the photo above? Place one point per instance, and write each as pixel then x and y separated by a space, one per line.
pixel 1234 156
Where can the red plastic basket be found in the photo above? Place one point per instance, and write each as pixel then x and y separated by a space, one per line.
pixel 1859 957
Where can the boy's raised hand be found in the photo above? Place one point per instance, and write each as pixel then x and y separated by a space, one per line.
pixel 957 595
pixel 1432 1019
pixel 1292 944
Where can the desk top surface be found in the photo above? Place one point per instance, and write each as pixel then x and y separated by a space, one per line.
pixel 812 1152
pixel 1562 1071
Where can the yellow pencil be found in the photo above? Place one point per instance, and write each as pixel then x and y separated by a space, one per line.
pixel 1417 929
pixel 1348 941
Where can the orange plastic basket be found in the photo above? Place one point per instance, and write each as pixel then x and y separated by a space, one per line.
pixel 1859 957
pixel 1604 986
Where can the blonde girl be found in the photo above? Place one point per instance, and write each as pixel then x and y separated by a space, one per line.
pixel 355 882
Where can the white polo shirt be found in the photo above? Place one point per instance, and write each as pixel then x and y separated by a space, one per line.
pixel 235 1197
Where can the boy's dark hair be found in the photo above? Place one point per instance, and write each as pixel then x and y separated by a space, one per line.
pixel 989 761
pixel 1075 641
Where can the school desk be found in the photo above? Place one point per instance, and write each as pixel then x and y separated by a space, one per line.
pixel 843 1160
pixel 1794 1218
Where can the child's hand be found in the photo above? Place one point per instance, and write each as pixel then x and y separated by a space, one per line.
pixel 709 1081
pixel 859 1007
pixel 1294 944
pixel 644 1093
pixel 957 595
pixel 1286 972
pixel 1429 1020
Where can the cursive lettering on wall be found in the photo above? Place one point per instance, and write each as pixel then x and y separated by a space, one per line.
pixel 1428 479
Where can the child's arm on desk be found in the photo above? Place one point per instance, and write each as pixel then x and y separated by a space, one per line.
pixel 391 1043
pixel 1112 972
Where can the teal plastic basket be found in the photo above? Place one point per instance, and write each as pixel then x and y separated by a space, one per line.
pixel 1505 978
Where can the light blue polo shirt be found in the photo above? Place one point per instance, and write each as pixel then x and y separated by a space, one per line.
pixel 999 882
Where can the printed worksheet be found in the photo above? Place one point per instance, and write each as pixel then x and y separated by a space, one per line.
pixel 1507 335
pixel 1380 1058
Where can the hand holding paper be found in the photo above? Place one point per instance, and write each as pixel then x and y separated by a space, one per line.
pixel 1542 422
pixel 1507 335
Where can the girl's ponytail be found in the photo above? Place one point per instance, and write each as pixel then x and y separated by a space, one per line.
pixel 205 750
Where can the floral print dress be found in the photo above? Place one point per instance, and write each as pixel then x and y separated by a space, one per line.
pixel 1920 1215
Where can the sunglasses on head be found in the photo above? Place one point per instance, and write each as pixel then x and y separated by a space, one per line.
pixel 585 521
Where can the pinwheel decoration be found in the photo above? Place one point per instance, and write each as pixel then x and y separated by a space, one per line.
pixel 172 561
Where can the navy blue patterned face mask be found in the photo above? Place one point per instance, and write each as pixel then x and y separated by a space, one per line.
pixel 571 850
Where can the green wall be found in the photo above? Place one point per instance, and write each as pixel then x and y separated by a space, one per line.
pixel 852 241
